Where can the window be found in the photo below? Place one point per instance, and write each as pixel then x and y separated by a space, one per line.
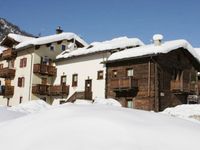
pixel 52 47
pixel 114 73
pixel 74 79
pixel 100 75
pixel 1 66
pixel 21 82
pixel 63 80
pixel 129 72
pixel 63 47
pixel 20 99
pixel 23 62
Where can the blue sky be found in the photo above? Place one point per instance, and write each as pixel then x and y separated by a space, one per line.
pixel 98 20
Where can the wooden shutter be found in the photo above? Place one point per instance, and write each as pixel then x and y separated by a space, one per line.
pixel 25 61
pixel 19 82
pixel 21 63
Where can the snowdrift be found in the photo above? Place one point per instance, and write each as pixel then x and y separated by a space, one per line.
pixel 98 127
pixel 31 106
pixel 188 112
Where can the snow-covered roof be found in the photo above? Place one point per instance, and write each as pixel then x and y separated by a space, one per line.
pixel 152 49
pixel 117 43
pixel 50 39
pixel 2 48
pixel 19 38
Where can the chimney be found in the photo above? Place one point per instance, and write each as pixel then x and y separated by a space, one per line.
pixel 59 30
pixel 157 39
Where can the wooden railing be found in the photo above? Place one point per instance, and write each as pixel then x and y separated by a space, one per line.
pixel 45 69
pixel 76 95
pixel 51 90
pixel 7 73
pixel 40 89
pixel 58 90
pixel 6 91
pixel 179 86
pixel 8 54
pixel 124 83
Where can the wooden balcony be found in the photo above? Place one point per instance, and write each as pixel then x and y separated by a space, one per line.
pixel 58 90
pixel 6 91
pixel 7 73
pixel 45 69
pixel 179 86
pixel 125 83
pixel 40 89
pixel 9 54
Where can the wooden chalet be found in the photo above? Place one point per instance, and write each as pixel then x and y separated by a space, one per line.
pixel 153 77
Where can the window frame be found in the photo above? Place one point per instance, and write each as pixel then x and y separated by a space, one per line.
pixel 74 83
pixel 127 72
pixel 99 76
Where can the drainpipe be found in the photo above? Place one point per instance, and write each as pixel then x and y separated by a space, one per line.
pixel 31 75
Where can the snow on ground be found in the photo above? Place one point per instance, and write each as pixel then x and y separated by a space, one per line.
pixel 6 114
pixel 31 106
pixel 98 101
pixel 98 127
pixel 109 101
pixel 83 102
pixel 184 111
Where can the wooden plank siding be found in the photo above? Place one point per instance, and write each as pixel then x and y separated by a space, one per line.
pixel 163 80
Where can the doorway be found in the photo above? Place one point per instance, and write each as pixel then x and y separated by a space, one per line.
pixel 88 89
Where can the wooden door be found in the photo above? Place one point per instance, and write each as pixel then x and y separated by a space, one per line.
pixel 88 89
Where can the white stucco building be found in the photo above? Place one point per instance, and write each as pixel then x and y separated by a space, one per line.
pixel 28 68
pixel 83 69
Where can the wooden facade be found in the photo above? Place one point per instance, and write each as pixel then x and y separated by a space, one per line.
pixel 7 73
pixel 157 82
pixel 7 91
pixel 9 54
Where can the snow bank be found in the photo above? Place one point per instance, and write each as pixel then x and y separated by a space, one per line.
pixel 83 102
pixel 6 114
pixel 31 106
pixel 151 49
pixel 51 38
pixel 184 111
pixel 109 101
pixel 117 43
pixel 98 127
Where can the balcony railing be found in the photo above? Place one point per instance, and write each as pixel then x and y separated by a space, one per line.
pixel 179 86
pixel 40 89
pixel 6 91
pixel 58 90
pixel 8 54
pixel 7 73
pixel 45 69
pixel 51 90
pixel 124 83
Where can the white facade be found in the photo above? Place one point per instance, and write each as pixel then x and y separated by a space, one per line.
pixel 86 67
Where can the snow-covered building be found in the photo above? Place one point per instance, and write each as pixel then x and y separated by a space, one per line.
pixel 84 70
pixel 154 76
pixel 28 69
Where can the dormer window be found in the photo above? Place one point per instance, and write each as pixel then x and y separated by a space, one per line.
pixel 63 47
